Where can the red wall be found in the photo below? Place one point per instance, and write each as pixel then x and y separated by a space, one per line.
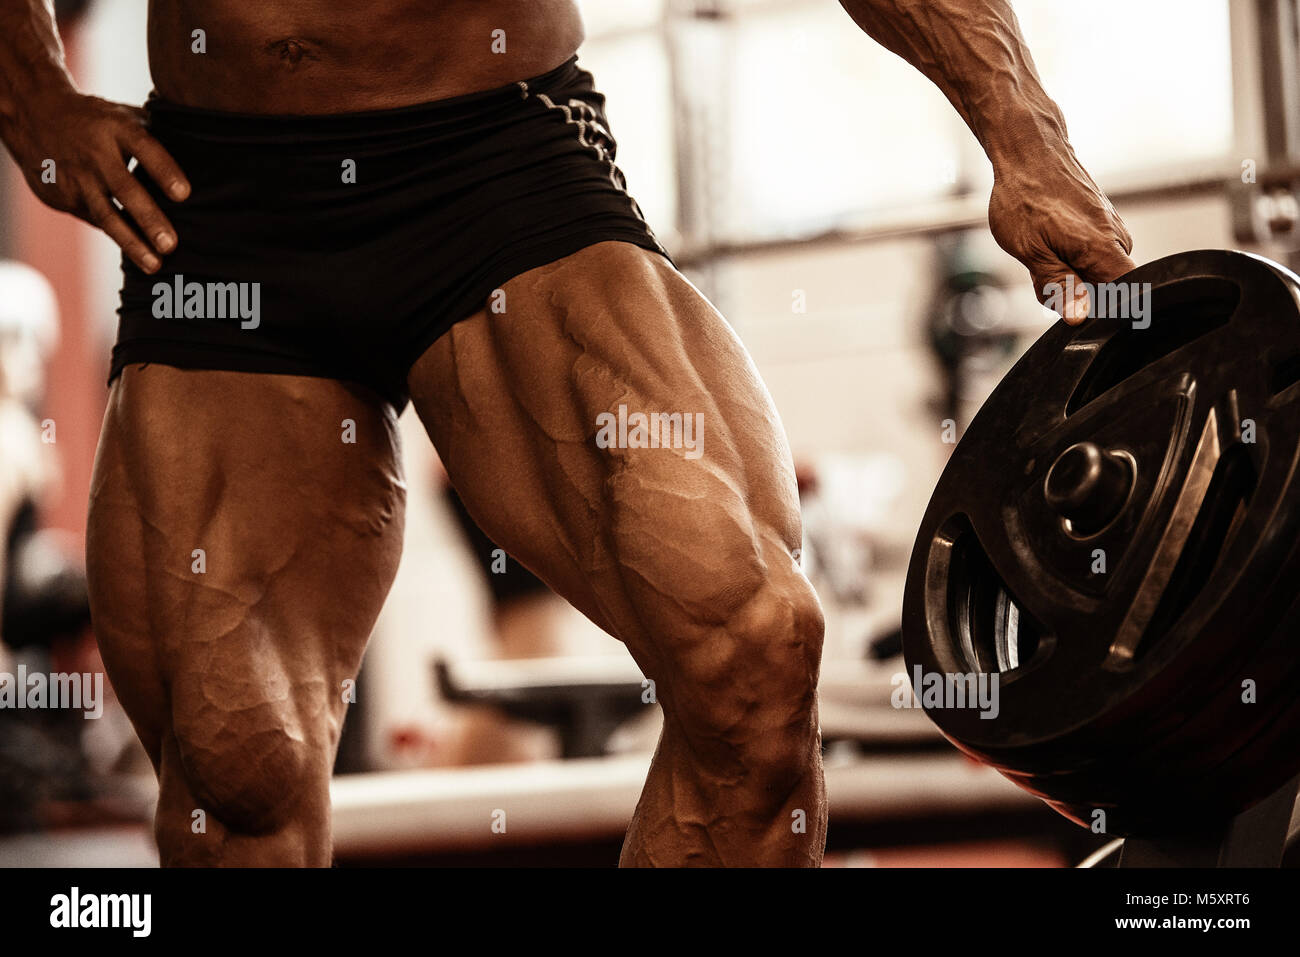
pixel 56 244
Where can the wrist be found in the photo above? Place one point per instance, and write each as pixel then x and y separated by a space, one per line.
pixel 31 97
pixel 1026 134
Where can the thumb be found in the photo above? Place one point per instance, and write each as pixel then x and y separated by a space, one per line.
pixel 1064 293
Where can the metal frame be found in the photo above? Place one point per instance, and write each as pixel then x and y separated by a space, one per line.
pixel 1260 64
pixel 1279 61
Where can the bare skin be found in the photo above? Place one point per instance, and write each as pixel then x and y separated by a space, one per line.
pixel 1045 209
pixel 688 561
pixel 233 670
pixel 233 676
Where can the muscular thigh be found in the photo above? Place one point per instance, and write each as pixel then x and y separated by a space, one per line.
pixel 513 399
pixel 243 532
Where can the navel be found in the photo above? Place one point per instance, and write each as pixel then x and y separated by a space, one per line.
pixel 291 51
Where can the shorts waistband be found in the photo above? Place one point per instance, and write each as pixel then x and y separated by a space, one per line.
pixel 262 127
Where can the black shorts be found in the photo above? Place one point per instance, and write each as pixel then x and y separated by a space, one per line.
pixel 343 245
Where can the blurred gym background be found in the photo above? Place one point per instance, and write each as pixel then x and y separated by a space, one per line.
pixel 833 206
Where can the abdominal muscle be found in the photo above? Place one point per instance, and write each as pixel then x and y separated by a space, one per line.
pixel 334 56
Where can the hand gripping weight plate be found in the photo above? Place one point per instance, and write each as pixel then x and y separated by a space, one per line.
pixel 1115 538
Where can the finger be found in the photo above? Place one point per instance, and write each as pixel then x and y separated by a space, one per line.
pixel 1102 261
pixel 135 199
pixel 104 215
pixel 1121 230
pixel 158 163
pixel 1061 290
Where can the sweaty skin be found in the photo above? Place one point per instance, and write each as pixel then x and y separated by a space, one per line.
pixel 234 675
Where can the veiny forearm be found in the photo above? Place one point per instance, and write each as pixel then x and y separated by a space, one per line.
pixel 31 59
pixel 974 52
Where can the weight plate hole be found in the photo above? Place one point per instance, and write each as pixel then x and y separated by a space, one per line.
pixel 1180 315
pixel 1221 512
pixel 991 626
pixel 1285 374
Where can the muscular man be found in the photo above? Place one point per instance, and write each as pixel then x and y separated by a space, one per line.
pixel 382 205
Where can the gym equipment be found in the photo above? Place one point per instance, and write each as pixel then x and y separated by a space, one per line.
pixel 44 590
pixel 584 699
pixel 974 323
pixel 1116 538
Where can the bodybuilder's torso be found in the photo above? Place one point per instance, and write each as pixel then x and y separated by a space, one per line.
pixel 334 56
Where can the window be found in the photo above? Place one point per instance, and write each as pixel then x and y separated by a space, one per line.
pixel 1143 86
pixel 793 121
pixel 625 52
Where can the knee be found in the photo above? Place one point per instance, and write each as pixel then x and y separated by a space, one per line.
pixel 748 686
pixel 726 625
pixel 253 771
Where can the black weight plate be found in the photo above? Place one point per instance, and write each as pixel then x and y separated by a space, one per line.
pixel 1119 689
